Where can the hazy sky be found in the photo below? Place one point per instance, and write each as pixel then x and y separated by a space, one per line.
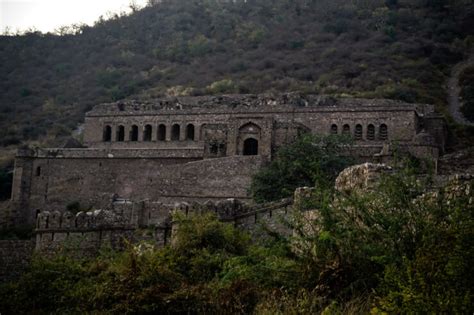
pixel 47 15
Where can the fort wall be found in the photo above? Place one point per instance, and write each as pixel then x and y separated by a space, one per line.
pixel 15 256
pixel 54 182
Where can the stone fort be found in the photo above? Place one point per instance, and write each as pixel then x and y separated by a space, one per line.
pixel 147 154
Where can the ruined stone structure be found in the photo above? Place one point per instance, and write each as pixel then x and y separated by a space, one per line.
pixel 194 149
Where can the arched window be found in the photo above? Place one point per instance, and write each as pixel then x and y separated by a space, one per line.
pixel 334 129
pixel 370 132
pixel 190 132
pixel 346 130
pixel 383 132
pixel 161 132
pixel 175 130
pixel 147 133
pixel 134 133
pixel 38 171
pixel 358 132
pixel 120 134
pixel 250 147
pixel 107 133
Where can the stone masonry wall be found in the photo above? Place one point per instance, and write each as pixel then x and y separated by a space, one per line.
pixel 15 255
pixel 95 182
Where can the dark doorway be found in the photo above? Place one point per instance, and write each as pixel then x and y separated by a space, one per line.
pixel 161 133
pixel 175 131
pixel 147 133
pixel 107 133
pixel 134 133
pixel 190 132
pixel 121 133
pixel 250 147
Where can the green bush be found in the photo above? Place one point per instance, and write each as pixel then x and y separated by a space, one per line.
pixel 310 160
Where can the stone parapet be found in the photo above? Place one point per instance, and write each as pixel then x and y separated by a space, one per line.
pixel 101 153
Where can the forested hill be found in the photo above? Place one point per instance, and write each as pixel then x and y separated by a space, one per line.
pixel 364 48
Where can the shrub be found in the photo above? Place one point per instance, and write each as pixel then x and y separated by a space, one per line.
pixel 310 160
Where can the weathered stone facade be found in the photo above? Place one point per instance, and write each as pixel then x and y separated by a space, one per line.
pixel 15 256
pixel 204 148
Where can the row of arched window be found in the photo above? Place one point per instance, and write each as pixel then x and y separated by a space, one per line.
pixel 147 134
pixel 358 131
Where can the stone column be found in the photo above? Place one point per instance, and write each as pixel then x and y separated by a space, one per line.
pixel 113 133
pixel 168 132
pixel 197 132
pixel 182 132
pixel 154 132
pixel 127 128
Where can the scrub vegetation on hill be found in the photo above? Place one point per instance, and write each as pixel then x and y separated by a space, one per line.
pixel 395 49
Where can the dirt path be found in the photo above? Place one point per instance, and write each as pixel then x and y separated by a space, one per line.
pixel 453 92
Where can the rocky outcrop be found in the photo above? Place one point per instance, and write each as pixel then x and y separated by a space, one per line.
pixel 360 177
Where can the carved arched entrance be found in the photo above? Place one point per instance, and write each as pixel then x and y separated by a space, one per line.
pixel 248 139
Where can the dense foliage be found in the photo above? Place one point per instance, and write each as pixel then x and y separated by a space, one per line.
pixel 388 250
pixel 310 160
pixel 466 83
pixel 367 48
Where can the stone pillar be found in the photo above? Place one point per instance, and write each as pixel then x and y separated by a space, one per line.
pixel 168 132
pixel 197 132
pixel 154 132
pixel 113 133
pixel 182 132
pixel 140 133
pixel 127 129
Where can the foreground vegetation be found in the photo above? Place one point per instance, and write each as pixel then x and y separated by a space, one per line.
pixel 388 250
pixel 364 48
pixel 309 160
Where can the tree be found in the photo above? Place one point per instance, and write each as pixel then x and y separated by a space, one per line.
pixel 308 161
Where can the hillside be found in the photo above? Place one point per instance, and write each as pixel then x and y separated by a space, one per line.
pixel 363 48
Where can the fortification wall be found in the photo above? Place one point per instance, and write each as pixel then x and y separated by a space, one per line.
pixel 259 220
pixel 53 183
pixel 270 218
pixel 83 234
pixel 15 256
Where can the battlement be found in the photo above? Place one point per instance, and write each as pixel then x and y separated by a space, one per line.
pixel 86 232
pixel 111 153
pixel 82 221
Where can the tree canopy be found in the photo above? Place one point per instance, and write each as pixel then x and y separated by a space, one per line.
pixel 310 160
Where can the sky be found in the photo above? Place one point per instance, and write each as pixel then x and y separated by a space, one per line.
pixel 48 15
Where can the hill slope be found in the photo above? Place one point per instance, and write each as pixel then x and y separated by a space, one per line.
pixel 368 48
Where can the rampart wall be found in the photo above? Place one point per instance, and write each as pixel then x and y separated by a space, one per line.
pixel 85 233
pixel 51 183
pixel 15 256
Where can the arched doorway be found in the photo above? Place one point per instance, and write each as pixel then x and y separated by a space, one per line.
pixel 250 147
